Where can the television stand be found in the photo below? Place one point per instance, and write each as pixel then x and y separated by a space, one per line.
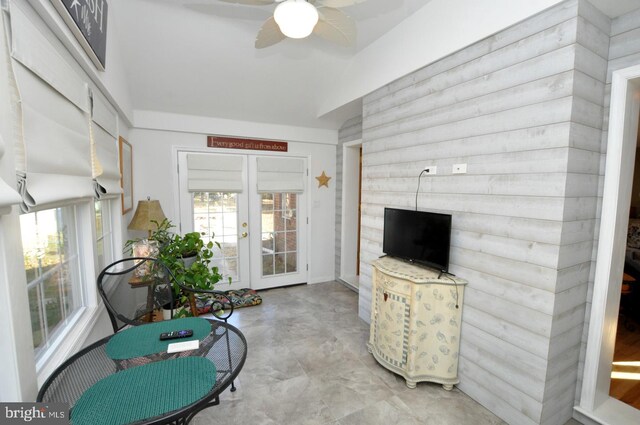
pixel 415 322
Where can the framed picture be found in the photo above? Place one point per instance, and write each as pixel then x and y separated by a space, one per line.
pixel 126 175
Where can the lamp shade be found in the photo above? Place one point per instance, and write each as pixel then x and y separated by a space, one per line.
pixel 296 18
pixel 146 213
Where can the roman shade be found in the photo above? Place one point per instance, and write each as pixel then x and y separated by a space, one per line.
pixel 104 149
pixel 54 154
pixel 8 196
pixel 276 174
pixel 214 173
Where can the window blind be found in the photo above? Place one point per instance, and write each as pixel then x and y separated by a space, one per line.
pixel 104 149
pixel 214 173
pixel 54 107
pixel 280 174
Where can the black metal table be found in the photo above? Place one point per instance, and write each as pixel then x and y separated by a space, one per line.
pixel 225 346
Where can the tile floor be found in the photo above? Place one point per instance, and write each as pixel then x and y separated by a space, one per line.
pixel 308 364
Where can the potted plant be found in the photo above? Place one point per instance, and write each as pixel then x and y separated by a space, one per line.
pixel 189 258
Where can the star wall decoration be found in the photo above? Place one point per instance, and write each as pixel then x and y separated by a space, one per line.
pixel 323 180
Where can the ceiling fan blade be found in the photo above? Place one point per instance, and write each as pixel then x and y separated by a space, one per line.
pixel 334 25
pixel 269 34
pixel 338 3
pixel 250 2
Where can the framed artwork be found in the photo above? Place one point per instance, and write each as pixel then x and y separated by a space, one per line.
pixel 126 175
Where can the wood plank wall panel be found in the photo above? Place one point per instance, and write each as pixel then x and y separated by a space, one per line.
pixel 351 130
pixel 624 51
pixel 524 110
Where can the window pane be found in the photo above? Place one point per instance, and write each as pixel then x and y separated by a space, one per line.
pixel 279 264
pixel 215 216
pixel 35 307
pixel 52 269
pixel 292 262
pixel 292 241
pixel 267 265
pixel 280 242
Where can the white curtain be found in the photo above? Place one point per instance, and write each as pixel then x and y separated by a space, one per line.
pixel 277 174
pixel 54 107
pixel 214 173
pixel 104 148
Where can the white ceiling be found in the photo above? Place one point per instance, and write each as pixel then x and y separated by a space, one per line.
pixel 196 57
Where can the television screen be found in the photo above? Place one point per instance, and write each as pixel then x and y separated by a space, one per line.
pixel 418 236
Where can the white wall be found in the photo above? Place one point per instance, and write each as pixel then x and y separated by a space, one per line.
pixel 155 175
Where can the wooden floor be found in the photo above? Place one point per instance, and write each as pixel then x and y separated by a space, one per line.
pixel 627 350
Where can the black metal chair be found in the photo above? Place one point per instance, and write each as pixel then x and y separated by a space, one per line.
pixel 134 288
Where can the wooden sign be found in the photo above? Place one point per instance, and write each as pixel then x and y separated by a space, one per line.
pixel 253 144
pixel 87 20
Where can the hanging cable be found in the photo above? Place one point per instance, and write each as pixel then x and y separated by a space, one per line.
pixel 418 189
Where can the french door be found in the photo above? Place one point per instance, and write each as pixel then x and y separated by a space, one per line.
pixel 258 221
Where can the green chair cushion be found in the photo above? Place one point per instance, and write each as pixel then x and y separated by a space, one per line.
pixel 145 392
pixel 144 340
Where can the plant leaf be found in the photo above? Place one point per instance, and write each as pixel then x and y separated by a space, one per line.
pixel 334 25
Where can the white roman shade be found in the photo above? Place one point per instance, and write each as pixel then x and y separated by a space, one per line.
pixel 280 174
pixel 214 173
pixel 8 196
pixel 104 149
pixel 54 109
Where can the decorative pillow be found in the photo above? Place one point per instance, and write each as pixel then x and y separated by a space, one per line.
pixel 633 233
pixel 240 298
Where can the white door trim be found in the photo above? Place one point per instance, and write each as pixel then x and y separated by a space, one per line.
pixel 349 230
pixel 621 146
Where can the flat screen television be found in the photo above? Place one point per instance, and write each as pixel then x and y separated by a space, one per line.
pixel 417 236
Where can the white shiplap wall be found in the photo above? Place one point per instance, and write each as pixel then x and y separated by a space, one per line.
pixel 524 110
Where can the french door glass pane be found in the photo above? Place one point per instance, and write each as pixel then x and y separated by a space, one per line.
pixel 215 214
pixel 279 233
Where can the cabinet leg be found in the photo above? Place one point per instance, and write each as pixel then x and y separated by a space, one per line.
pixel 447 387
pixel 410 384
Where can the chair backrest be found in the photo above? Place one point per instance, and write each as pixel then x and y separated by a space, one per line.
pixel 132 288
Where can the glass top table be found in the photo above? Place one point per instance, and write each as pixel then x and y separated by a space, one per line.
pixel 116 374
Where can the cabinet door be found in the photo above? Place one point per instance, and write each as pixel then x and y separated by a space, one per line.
pixel 391 327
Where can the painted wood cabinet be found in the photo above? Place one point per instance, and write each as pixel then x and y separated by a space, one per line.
pixel 415 322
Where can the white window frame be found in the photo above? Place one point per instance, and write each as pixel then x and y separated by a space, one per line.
pixel 71 337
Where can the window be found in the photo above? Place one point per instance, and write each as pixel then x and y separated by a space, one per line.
pixel 279 233
pixel 53 269
pixel 104 233
pixel 216 215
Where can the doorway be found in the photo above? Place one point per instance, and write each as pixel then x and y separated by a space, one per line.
pixel 253 207
pixel 351 213
pixel 595 402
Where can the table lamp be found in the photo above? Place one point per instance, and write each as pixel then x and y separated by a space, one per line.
pixel 146 213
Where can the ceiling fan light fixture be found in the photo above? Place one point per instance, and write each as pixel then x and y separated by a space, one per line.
pixel 296 18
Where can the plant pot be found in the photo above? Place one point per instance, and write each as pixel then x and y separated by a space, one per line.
pixel 188 261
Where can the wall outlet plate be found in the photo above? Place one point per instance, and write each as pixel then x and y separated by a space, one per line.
pixel 459 169
pixel 430 169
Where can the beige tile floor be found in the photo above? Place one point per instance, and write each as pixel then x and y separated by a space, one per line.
pixel 308 364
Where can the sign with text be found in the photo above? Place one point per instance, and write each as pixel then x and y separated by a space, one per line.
pixel 87 19
pixel 34 413
pixel 253 144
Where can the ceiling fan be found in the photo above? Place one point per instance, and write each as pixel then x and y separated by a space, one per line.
pixel 300 18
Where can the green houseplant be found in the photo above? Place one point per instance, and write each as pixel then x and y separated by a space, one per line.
pixel 189 258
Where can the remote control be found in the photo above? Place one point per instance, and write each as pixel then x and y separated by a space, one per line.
pixel 176 334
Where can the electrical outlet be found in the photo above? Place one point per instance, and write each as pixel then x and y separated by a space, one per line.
pixel 430 169
pixel 459 169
